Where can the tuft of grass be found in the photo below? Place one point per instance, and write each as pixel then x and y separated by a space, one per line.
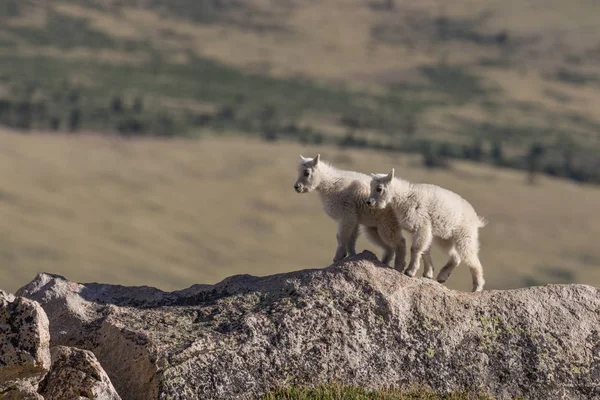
pixel 336 391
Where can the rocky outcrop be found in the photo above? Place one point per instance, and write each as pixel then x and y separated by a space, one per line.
pixel 30 369
pixel 24 347
pixel 76 374
pixel 355 322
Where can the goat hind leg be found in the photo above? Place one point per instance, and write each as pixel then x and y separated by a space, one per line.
pixel 373 235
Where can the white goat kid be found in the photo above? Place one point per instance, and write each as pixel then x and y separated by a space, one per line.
pixel 430 212
pixel 344 195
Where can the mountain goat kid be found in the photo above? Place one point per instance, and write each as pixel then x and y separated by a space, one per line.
pixel 344 195
pixel 430 212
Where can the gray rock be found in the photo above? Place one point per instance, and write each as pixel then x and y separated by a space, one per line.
pixel 24 347
pixel 82 318
pixel 76 374
pixel 19 390
pixel 355 322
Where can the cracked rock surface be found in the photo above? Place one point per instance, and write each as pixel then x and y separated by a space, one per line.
pixel 76 374
pixel 24 347
pixel 31 370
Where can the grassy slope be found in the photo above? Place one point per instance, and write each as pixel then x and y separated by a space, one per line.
pixel 174 213
pixel 542 83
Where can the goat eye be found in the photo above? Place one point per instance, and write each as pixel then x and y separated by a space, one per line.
pixel 306 173
pixel 379 190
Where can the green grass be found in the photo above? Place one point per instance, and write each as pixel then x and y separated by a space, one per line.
pixel 199 81
pixel 343 392
pixel 508 133
pixel 458 83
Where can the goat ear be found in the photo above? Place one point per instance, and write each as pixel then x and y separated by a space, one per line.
pixel 390 176
pixel 374 176
pixel 316 160
pixel 304 160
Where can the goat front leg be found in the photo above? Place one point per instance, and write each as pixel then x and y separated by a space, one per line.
pixel 428 262
pixel 422 239
pixel 347 235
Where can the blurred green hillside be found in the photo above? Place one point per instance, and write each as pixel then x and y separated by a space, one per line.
pixel 512 83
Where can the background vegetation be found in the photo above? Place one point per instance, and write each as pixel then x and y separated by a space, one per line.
pixel 467 80
pixel 155 142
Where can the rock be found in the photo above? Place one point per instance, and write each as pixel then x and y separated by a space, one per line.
pixel 80 318
pixel 355 322
pixel 76 374
pixel 24 347
pixel 19 390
